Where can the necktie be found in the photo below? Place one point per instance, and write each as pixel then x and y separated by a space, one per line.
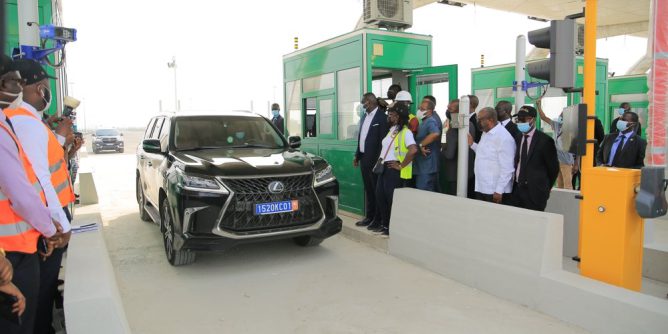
pixel 618 151
pixel 524 156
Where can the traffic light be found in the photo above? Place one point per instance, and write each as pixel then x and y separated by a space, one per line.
pixel 560 37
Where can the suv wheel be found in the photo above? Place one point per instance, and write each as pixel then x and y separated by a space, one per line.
pixel 141 200
pixel 175 257
pixel 308 241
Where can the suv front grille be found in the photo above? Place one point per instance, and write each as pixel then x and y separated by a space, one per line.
pixel 108 140
pixel 240 214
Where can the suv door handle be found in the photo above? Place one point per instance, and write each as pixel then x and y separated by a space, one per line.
pixel 142 157
pixel 150 164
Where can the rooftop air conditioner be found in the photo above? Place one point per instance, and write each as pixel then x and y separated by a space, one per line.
pixel 391 14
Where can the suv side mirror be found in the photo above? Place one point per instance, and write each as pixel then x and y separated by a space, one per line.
pixel 294 141
pixel 151 146
pixel 651 199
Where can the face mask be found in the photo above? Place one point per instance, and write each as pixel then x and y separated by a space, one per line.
pixel 361 110
pixel 560 120
pixel 524 127
pixel 621 111
pixel 622 125
pixel 240 135
pixel 420 114
pixel 47 99
pixel 275 113
pixel 14 104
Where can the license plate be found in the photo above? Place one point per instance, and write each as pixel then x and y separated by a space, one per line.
pixel 276 207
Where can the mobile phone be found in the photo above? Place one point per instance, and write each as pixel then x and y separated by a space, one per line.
pixel 7 302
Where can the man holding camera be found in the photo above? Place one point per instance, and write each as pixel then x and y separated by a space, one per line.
pixel 47 156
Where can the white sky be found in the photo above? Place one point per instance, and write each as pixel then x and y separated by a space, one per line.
pixel 229 53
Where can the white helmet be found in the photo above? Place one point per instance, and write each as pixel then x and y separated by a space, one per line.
pixel 404 96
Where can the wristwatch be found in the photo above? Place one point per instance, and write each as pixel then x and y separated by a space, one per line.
pixel 2 252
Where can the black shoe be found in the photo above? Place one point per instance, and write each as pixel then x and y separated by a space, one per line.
pixel 385 232
pixel 364 222
pixel 373 226
pixel 379 229
pixel 576 258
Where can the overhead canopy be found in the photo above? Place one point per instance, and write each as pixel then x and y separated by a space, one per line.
pixel 615 17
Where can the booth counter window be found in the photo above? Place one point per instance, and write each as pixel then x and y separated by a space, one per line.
pixel 349 97
pixel 293 91
pixel 320 82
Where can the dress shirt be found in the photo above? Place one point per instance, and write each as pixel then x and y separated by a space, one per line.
pixel 35 142
pixel 494 161
pixel 365 128
pixel 528 142
pixel 14 184
pixel 504 123
pixel 615 146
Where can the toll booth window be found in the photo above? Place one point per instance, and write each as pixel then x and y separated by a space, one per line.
pixel 326 111
pixel 320 82
pixel 349 96
pixel 293 91
pixel 310 117
pixel 379 87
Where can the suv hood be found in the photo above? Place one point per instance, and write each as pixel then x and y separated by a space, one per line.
pixel 246 162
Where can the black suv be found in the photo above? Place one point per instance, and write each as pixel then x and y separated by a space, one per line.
pixel 108 140
pixel 215 181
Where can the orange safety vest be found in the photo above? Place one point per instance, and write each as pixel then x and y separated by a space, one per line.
pixel 16 235
pixel 60 177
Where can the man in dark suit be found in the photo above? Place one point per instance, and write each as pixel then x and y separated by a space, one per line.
pixel 536 163
pixel 473 105
pixel 503 110
pixel 277 119
pixel 624 149
pixel 373 128
pixel 624 107
pixel 450 151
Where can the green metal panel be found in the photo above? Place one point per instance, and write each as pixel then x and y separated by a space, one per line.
pixel 326 59
pixel 12 38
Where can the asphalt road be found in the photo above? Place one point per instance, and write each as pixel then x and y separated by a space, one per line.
pixel 340 287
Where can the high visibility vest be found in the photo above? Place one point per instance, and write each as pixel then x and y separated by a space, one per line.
pixel 16 235
pixel 400 151
pixel 60 177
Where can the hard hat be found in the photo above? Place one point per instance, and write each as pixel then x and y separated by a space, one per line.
pixel 404 96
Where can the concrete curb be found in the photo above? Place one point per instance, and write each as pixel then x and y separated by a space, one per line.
pixel 361 234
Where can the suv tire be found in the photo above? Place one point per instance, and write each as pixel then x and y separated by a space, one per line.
pixel 308 241
pixel 175 257
pixel 141 201
pixel 121 150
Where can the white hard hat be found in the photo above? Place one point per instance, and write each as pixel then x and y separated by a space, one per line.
pixel 404 96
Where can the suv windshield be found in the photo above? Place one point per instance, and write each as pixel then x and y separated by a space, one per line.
pixel 204 132
pixel 107 132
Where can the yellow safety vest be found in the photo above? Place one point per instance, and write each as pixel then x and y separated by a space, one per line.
pixel 400 151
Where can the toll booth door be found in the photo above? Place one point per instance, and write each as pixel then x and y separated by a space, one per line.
pixel 439 81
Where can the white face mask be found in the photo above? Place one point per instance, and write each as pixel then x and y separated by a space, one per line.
pixel 14 104
pixel 47 100
pixel 420 114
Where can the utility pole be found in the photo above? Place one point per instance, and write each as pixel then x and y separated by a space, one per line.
pixel 172 65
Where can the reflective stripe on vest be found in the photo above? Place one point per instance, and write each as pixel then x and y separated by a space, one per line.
pixel 16 235
pixel 400 151
pixel 60 176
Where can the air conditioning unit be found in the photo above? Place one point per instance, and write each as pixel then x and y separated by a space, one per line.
pixel 391 14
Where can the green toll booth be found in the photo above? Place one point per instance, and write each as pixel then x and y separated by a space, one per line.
pixel 324 84
pixel 495 83
pixel 633 89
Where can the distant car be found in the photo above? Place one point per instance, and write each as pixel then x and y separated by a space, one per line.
pixel 213 182
pixel 108 140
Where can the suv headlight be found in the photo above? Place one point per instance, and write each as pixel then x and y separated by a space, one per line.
pixel 197 183
pixel 323 176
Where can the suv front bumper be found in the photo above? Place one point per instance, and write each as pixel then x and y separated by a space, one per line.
pixel 200 216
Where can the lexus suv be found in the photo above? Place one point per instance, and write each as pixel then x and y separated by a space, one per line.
pixel 212 182
pixel 108 140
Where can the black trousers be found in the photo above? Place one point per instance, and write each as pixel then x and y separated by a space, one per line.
pixel 387 182
pixel 506 199
pixel 451 188
pixel 48 288
pixel 522 199
pixel 369 179
pixel 26 278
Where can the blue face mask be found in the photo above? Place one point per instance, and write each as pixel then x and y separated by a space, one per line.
pixel 524 127
pixel 240 135
pixel 622 125
pixel 275 113
pixel 621 111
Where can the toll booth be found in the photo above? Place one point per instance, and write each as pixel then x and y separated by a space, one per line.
pixel 47 13
pixel 324 84
pixel 632 89
pixel 495 83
